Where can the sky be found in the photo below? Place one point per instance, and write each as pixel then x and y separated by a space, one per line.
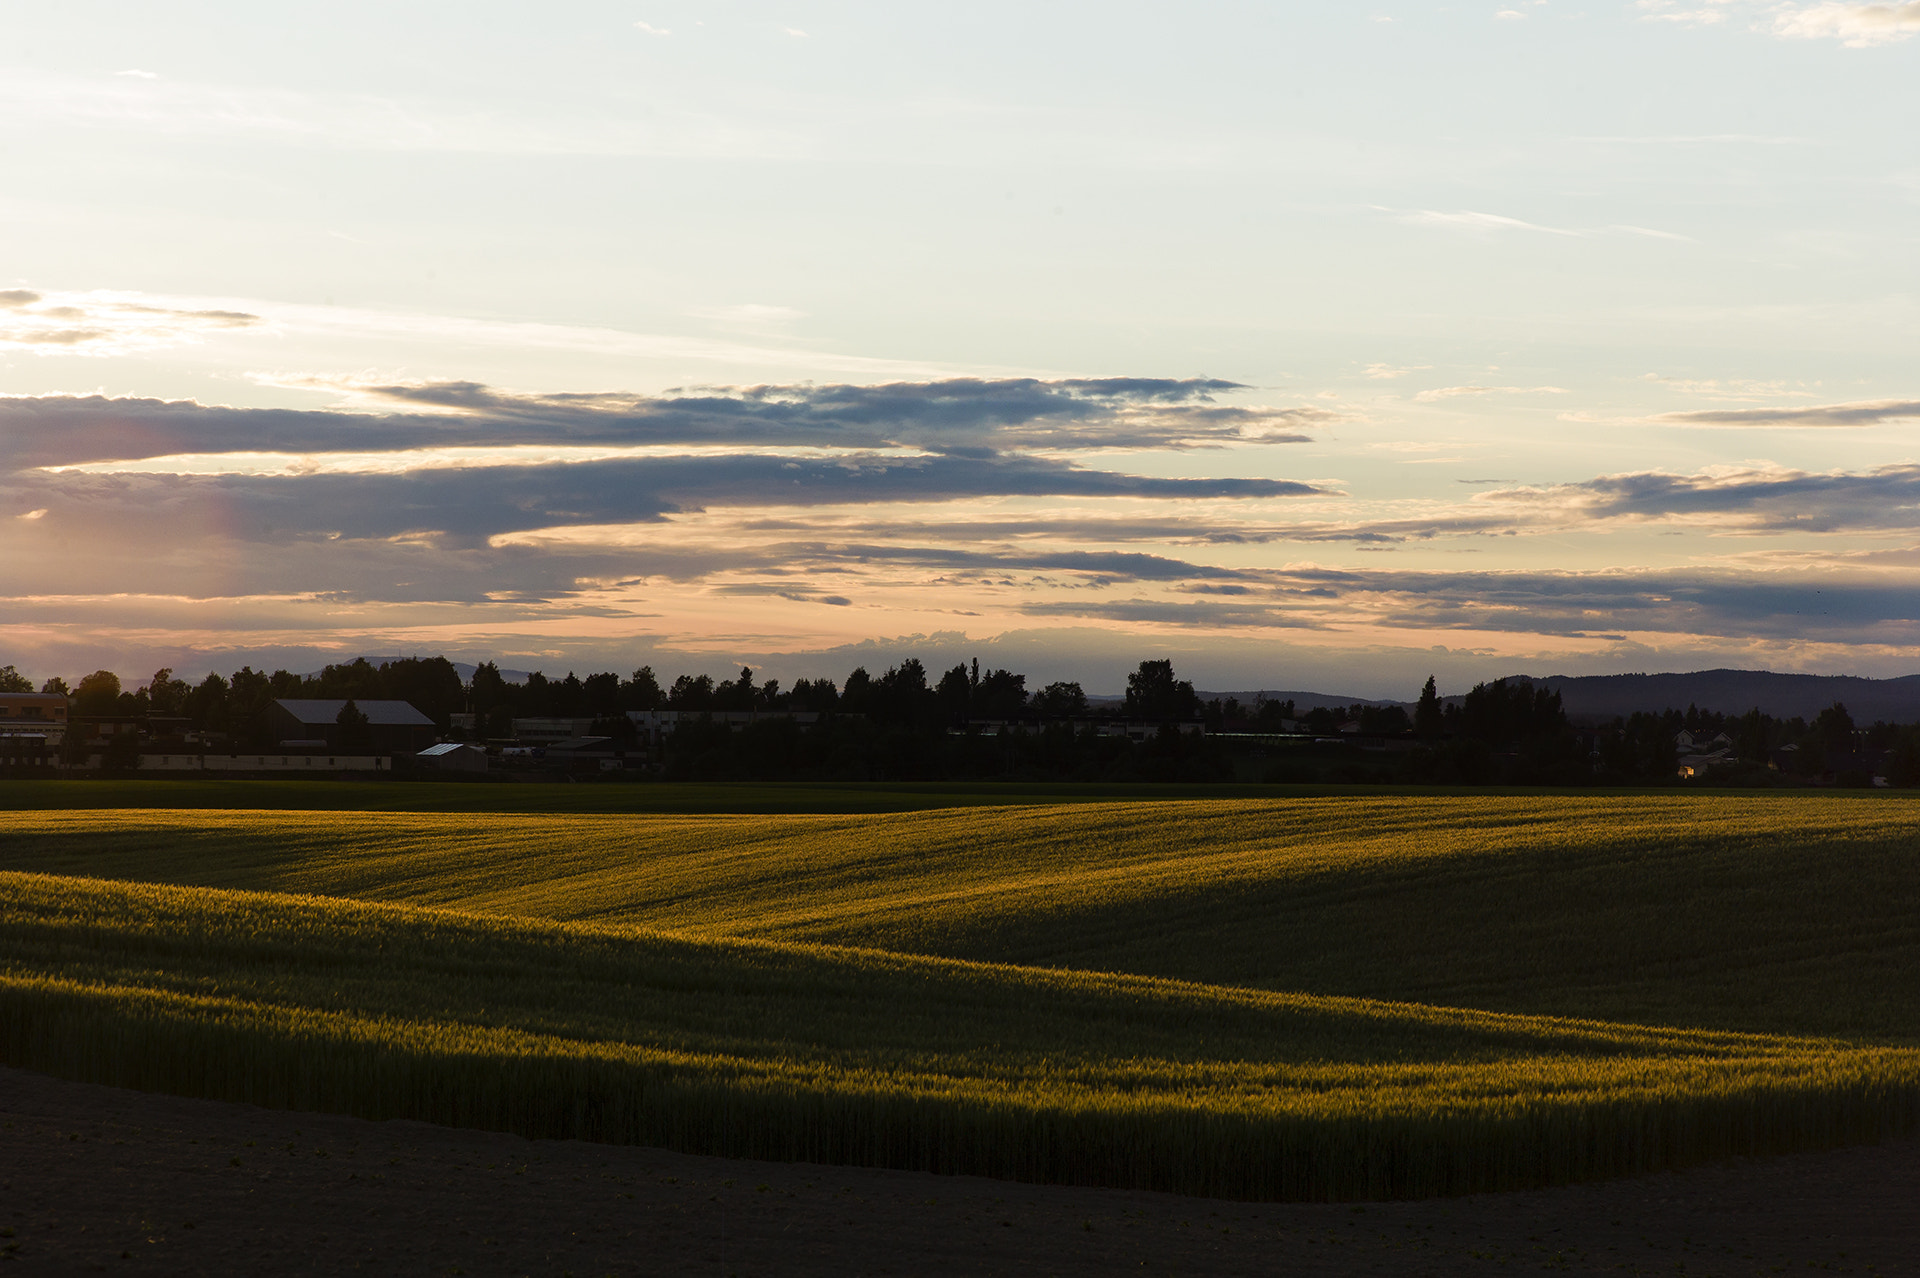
pixel 1313 345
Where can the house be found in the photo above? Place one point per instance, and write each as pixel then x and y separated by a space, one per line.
pixel 1690 766
pixel 300 763
pixel 544 731
pixel 393 727
pixel 452 756
pixel 592 754
pixel 653 727
pixel 40 714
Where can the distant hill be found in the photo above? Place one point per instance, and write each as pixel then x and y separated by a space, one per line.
pixel 1738 691
pixel 1726 691
pixel 1302 701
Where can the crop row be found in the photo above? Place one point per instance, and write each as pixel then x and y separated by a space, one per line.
pixel 820 1053
pixel 1775 913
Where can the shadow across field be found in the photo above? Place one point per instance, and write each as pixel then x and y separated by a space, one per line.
pixel 773 1050
pixel 1773 914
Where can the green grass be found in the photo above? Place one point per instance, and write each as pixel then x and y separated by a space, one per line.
pixel 1258 998
pixel 824 1053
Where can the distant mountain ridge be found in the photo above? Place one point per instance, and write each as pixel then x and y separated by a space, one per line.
pixel 1725 691
pixel 1738 691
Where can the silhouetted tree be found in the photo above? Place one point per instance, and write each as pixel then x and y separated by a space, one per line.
pixel 642 692
pixel 166 694
pixel 1429 717
pixel 1060 700
pixel 98 693
pixel 354 736
pixel 1000 694
pixel 1154 693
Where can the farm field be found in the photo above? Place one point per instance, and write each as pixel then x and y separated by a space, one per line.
pixel 691 797
pixel 1307 997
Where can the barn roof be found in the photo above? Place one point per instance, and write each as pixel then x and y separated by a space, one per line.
pixel 383 714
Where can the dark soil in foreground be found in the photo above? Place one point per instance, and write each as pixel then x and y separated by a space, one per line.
pixel 95 1179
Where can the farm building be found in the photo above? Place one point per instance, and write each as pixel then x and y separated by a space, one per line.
pixel 592 754
pixel 452 756
pixel 303 763
pixel 392 727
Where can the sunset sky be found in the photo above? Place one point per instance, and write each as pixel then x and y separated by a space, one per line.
pixel 1312 344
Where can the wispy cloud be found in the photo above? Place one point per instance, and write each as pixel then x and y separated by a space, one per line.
pixel 1859 413
pixel 1665 11
pixel 1455 392
pixel 647 28
pixel 104 323
pixel 1468 220
pixel 1494 223
pixel 1855 25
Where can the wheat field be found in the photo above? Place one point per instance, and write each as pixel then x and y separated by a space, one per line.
pixel 1331 997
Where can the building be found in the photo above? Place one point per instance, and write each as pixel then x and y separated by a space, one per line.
pixel 653 727
pixel 41 714
pixel 452 756
pixel 592 754
pixel 393 727
pixel 540 731
pixel 301 764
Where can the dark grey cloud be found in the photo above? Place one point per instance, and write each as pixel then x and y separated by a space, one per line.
pixel 1187 530
pixel 1862 413
pixel 1199 614
pixel 1887 497
pixel 1729 604
pixel 1020 412
pixel 61 430
pixel 965 416
pixel 473 503
pixel 1112 565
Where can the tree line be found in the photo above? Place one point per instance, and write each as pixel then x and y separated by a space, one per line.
pixel 901 722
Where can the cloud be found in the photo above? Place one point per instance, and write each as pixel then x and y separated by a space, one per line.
pixel 647 28
pixel 1387 372
pixel 1453 392
pixel 1871 412
pixel 1663 11
pixel 1731 501
pixel 1471 221
pixel 1021 413
pixel 954 415
pixel 104 324
pixel 1488 223
pixel 475 503
pixel 1855 25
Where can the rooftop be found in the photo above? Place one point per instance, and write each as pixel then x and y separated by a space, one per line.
pixel 379 713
